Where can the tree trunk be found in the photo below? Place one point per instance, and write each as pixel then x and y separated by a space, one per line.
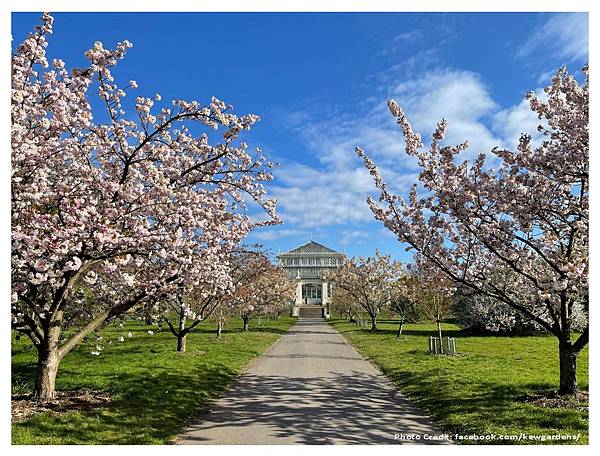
pixel 400 326
pixel 246 321
pixel 439 328
pixel 568 368
pixel 181 341
pixel 47 367
pixel 181 336
pixel 48 360
pixel 373 323
pixel 219 328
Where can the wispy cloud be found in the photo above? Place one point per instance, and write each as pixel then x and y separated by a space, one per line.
pixel 460 97
pixel 322 197
pixel 564 35
pixel 511 122
pixel 332 191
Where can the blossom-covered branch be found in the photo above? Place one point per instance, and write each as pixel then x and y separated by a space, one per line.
pixel 517 233
pixel 117 206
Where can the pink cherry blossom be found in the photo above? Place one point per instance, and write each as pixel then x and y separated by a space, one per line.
pixel 124 210
pixel 517 233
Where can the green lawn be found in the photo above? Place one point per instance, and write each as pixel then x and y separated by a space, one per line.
pixel 481 390
pixel 154 389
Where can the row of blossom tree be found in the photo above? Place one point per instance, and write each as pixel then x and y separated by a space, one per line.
pixel 516 232
pixel 376 284
pixel 116 204
pixel 257 288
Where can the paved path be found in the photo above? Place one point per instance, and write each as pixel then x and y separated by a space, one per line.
pixel 311 387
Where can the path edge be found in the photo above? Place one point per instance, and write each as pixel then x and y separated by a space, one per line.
pixel 198 413
pixel 397 390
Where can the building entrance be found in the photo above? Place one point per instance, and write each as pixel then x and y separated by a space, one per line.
pixel 312 293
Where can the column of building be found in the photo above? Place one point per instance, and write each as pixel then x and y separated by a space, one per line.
pixel 325 299
pixel 295 310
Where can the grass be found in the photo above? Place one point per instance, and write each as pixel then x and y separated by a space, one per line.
pixel 481 390
pixel 155 390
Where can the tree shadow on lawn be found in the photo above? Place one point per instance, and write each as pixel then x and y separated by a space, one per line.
pixel 457 333
pixel 147 407
pixel 490 405
pixel 405 332
pixel 432 332
pixel 22 373
pixel 420 332
pixel 255 329
pixel 268 329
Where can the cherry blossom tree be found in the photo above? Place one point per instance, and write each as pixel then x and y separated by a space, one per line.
pixel 266 290
pixel 185 308
pixel 344 303
pixel 124 202
pixel 517 232
pixel 405 294
pixel 480 313
pixel 220 317
pixel 368 281
pixel 199 301
pixel 434 291
pixel 275 292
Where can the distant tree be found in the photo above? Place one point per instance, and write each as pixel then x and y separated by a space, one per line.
pixel 220 316
pixel 186 307
pixel 517 232
pixel 265 290
pixel 405 296
pixel 344 304
pixel 483 314
pixel 480 314
pixel 434 293
pixel 368 282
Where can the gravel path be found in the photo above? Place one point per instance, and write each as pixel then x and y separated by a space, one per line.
pixel 311 387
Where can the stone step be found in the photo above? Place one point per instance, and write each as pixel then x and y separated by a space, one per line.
pixel 310 312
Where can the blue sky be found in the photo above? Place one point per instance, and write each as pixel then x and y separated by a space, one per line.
pixel 320 81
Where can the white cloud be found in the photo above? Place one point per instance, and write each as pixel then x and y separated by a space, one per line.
pixel 545 77
pixel 332 191
pixel 317 203
pixel 460 97
pixel 510 123
pixel 564 35
pixel 409 36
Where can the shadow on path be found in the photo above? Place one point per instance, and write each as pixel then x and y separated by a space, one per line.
pixel 310 388
pixel 349 408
